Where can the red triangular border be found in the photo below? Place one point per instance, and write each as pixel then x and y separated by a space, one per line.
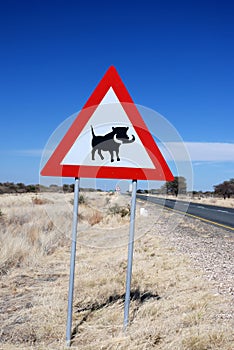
pixel 110 79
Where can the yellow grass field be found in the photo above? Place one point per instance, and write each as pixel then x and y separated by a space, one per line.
pixel 181 292
pixel 229 203
pixel 217 201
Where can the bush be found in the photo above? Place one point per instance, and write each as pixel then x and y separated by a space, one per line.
pixel 118 210
pixel 82 200
pixel 95 218
pixel 39 201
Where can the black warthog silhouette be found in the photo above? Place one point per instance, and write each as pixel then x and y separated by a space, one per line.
pixel 110 142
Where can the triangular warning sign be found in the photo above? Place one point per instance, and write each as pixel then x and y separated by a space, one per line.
pixel 108 139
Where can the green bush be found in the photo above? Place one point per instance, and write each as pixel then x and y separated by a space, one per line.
pixel 82 200
pixel 118 210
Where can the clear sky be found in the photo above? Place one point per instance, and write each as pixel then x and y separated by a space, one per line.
pixel 176 57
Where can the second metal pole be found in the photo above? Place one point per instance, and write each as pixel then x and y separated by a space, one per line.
pixel 130 254
pixel 72 262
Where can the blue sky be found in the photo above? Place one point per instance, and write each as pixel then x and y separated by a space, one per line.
pixel 176 57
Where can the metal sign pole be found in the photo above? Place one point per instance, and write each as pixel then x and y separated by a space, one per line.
pixel 72 262
pixel 130 254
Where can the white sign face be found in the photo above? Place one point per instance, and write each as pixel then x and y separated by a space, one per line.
pixel 108 115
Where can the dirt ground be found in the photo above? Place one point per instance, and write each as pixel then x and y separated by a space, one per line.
pixel 182 282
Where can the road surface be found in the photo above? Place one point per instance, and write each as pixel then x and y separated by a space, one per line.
pixel 220 216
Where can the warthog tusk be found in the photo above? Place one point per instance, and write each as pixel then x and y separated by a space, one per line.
pixel 129 141
pixel 116 140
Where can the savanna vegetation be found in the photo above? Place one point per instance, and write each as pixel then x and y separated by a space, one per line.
pixel 176 187
pixel 225 189
pixel 179 187
pixel 173 306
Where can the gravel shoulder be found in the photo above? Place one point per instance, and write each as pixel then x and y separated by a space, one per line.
pixel 210 248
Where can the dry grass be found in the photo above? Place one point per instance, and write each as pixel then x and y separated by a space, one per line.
pixel 228 202
pixel 95 218
pixel 39 201
pixel 172 307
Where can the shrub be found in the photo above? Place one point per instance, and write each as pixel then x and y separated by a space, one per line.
pixel 95 218
pixel 1 215
pixel 39 201
pixel 107 201
pixel 118 210
pixel 82 200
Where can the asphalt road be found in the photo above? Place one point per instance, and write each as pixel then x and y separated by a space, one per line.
pixel 217 215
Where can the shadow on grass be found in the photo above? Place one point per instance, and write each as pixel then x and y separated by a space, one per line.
pixel 135 295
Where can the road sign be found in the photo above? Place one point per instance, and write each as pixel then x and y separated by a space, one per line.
pixel 108 139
